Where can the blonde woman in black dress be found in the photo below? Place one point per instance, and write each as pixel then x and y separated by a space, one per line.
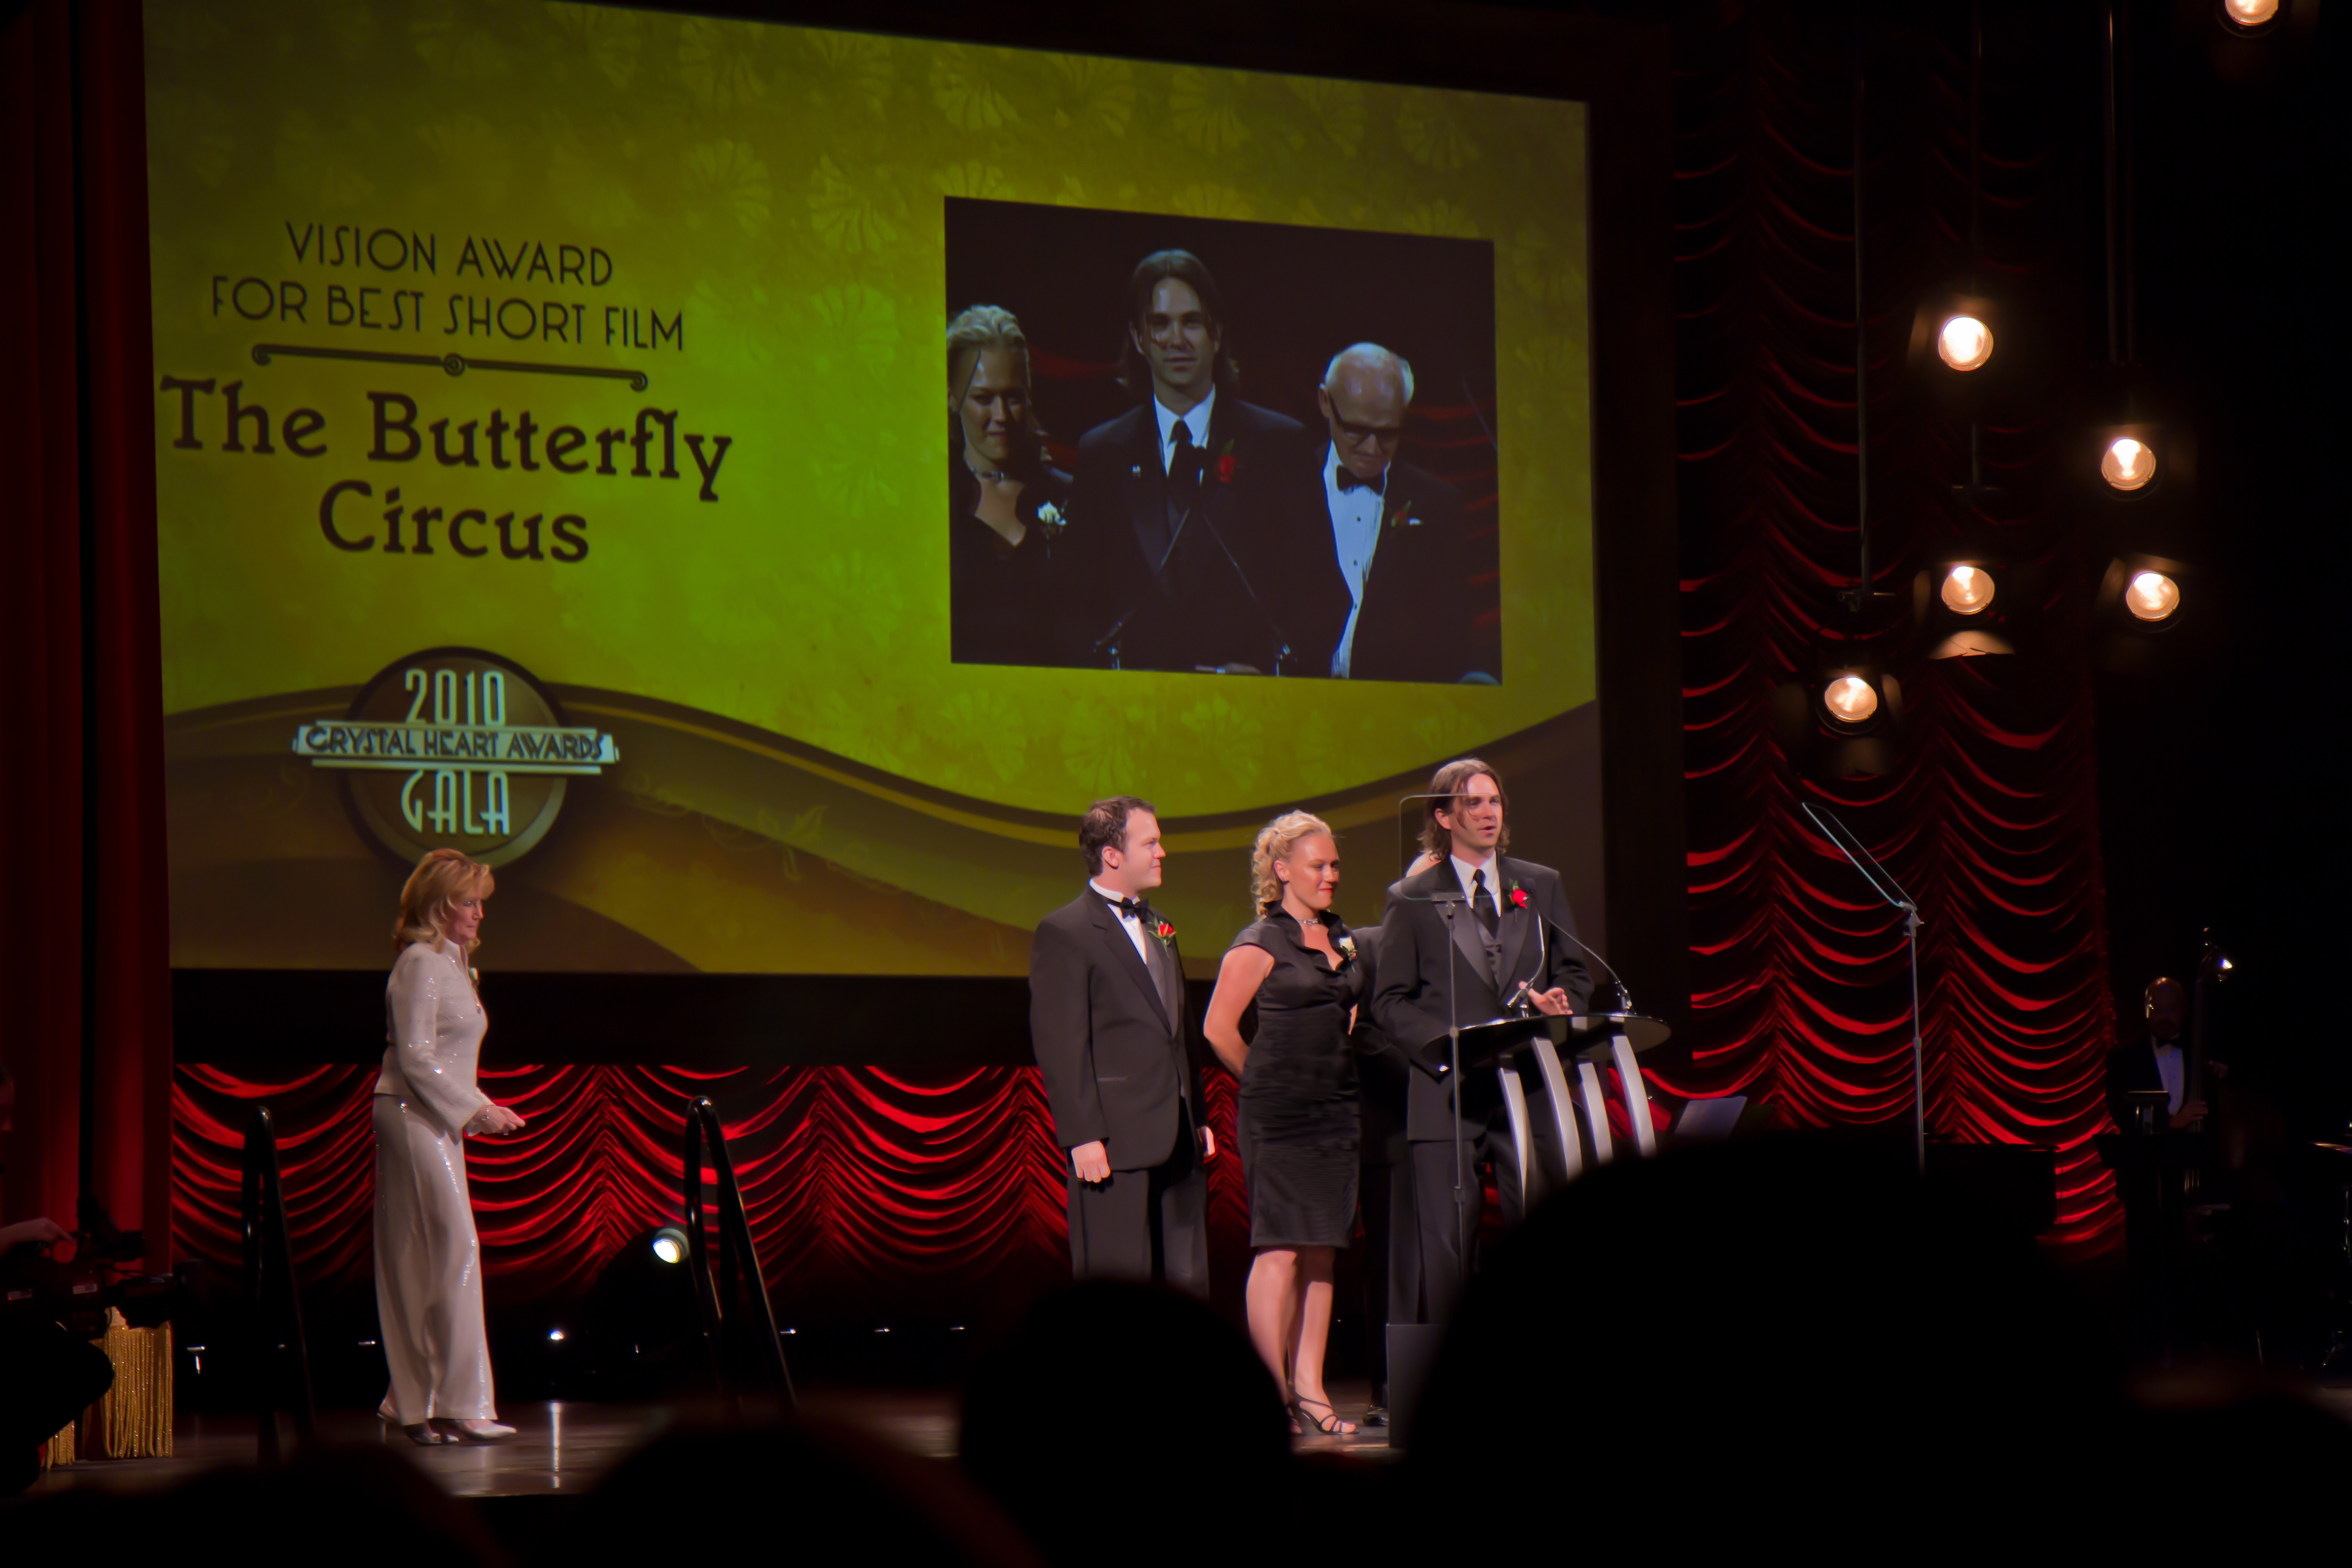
pixel 1299 1121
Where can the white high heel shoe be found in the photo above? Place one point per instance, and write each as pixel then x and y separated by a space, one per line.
pixel 474 1431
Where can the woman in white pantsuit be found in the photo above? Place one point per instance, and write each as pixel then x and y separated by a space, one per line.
pixel 428 1267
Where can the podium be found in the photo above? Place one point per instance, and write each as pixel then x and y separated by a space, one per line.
pixel 1552 1041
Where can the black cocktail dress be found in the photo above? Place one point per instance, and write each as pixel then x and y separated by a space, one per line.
pixel 1299 1119
pixel 1005 600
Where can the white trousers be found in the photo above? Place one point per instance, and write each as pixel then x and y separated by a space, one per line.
pixel 428 1271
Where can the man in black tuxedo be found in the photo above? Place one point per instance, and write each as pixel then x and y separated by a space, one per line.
pixel 1396 565
pixel 1191 514
pixel 1493 927
pixel 1106 1021
pixel 2158 1061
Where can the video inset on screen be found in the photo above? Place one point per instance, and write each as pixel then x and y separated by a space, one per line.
pixel 1195 445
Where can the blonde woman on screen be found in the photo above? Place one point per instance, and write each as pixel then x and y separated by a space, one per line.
pixel 428 1268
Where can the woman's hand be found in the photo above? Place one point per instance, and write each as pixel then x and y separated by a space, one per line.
pixel 41 1231
pixel 1423 863
pixel 494 1120
pixel 1238 978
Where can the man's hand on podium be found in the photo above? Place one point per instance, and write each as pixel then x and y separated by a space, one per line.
pixel 1554 1001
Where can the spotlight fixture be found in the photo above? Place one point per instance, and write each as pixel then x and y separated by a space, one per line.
pixel 1964 342
pixel 2153 614
pixel 1972 607
pixel 1967 589
pixel 1849 702
pixel 669 1244
pixel 555 1336
pixel 2152 597
pixel 2250 15
pixel 2128 463
pixel 1839 722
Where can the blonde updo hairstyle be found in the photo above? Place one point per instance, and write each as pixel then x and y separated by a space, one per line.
pixel 440 880
pixel 988 327
pixel 1275 840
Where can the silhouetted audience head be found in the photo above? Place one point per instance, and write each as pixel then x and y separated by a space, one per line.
pixel 1784 1328
pixel 1123 1424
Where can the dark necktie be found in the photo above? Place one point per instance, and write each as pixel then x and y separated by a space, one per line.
pixel 1488 916
pixel 1184 467
pixel 1348 482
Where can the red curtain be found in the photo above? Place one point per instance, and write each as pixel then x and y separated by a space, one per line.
pixel 870 1194
pixel 1800 986
pixel 84 939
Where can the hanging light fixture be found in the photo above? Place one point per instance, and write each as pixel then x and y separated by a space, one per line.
pixel 2250 15
pixel 1967 590
pixel 2128 463
pixel 2151 596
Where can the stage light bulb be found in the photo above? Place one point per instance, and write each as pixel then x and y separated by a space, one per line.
pixel 2152 597
pixel 669 1244
pixel 2127 464
pixel 1851 699
pixel 2250 13
pixel 1967 590
pixel 1965 343
pixel 556 1335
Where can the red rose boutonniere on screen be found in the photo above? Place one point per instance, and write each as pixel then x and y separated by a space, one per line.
pixel 1518 896
pixel 1225 465
pixel 1166 933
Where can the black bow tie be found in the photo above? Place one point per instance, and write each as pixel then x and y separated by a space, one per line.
pixel 1132 909
pixel 1348 482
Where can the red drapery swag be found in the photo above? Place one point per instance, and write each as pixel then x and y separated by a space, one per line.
pixel 85 983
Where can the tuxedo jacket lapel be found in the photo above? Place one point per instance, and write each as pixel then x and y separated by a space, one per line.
pixel 1147 488
pixel 1517 933
pixel 1470 939
pixel 1129 961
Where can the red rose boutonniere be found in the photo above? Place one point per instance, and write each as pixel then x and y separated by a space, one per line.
pixel 1225 465
pixel 1166 933
pixel 1518 896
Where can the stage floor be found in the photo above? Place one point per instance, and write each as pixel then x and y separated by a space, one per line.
pixel 565 1448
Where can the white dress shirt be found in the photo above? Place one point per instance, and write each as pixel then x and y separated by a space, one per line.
pixel 2173 1071
pixel 1196 421
pixel 1464 869
pixel 1133 925
pixel 1354 535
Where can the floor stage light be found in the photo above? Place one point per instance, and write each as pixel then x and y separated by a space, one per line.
pixel 669 1244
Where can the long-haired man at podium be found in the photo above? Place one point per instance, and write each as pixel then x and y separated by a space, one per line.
pixel 1460 941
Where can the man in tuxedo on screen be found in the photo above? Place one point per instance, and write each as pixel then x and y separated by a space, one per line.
pixel 1394 569
pixel 1107 1022
pixel 1191 518
pixel 1505 923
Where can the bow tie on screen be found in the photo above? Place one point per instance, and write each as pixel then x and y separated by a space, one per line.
pixel 1130 909
pixel 1348 482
